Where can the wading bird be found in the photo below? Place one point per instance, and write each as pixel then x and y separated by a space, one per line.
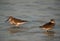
pixel 15 21
pixel 48 26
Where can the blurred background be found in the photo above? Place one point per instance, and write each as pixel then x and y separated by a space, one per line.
pixel 37 12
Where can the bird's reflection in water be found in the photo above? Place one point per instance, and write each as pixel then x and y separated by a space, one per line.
pixel 14 40
pixel 14 29
pixel 50 35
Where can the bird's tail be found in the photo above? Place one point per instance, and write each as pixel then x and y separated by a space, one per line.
pixel 40 26
pixel 25 21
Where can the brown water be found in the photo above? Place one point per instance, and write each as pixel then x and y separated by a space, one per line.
pixel 37 12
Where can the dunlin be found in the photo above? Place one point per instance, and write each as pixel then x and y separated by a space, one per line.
pixel 48 26
pixel 15 21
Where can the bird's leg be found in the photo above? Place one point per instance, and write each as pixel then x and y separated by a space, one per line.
pixel 47 30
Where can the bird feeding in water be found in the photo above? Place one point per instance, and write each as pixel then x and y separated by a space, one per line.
pixel 15 21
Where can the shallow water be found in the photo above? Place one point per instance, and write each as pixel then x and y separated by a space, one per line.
pixel 37 12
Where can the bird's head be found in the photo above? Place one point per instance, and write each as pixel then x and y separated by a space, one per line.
pixel 52 21
pixel 9 18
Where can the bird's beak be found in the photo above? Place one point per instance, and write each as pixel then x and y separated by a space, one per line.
pixel 6 20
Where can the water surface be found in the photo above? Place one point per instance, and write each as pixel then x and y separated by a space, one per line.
pixel 37 12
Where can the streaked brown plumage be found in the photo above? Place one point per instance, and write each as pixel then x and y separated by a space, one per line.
pixel 15 21
pixel 49 25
